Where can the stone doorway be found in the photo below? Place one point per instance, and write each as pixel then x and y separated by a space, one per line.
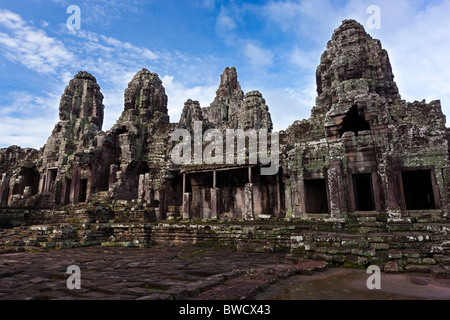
pixel 83 191
pixel 67 191
pixel 364 193
pixel 316 196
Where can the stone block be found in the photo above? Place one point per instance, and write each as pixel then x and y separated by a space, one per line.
pixel 379 246
pixel 417 268
pixel 439 273
pixel 391 267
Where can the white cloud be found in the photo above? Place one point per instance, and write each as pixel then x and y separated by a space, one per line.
pixel 26 133
pixel 104 13
pixel 209 4
pixel 307 18
pixel 31 47
pixel 226 26
pixel 304 59
pixel 179 93
pixel 289 104
pixel 28 120
pixel 257 56
pixel 419 53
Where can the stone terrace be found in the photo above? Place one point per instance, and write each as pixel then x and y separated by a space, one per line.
pixel 142 274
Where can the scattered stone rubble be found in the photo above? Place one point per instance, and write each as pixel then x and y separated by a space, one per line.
pixel 365 180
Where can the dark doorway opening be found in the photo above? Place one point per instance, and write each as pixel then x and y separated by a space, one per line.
pixel 67 191
pixel 103 184
pixel 83 191
pixel 53 173
pixel 51 179
pixel 354 122
pixel 364 196
pixel 418 190
pixel 316 196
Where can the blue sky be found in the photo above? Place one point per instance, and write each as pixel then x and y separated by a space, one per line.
pixel 275 46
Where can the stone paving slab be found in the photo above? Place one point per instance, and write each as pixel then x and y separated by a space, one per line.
pixel 124 273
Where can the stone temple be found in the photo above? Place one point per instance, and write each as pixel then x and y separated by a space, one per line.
pixel 365 179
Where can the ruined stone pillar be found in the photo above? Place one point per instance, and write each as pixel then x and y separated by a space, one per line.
pixel 141 188
pixel 41 183
pixel 205 205
pixel 393 190
pixel 335 189
pixel 278 196
pixel 147 190
pixel 288 199
pixel 47 181
pixel 161 215
pixel 215 194
pixel 4 189
pixel 440 190
pixel 248 202
pixel 298 196
pixel 112 174
pixel 186 206
pixel 75 187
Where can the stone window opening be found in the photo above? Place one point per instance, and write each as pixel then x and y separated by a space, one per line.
pixel 354 122
pixel 418 190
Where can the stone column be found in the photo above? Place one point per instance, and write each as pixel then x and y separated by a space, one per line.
pixel 248 202
pixel 186 206
pixel 112 174
pixel 205 206
pixel 335 189
pixel 47 181
pixel 298 196
pixel 393 190
pixel 4 188
pixel 288 200
pixel 162 205
pixel 75 187
pixel 278 196
pixel 437 182
pixel 41 183
pixel 141 188
pixel 215 200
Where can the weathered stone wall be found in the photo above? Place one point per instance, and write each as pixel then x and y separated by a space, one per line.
pixel 395 247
